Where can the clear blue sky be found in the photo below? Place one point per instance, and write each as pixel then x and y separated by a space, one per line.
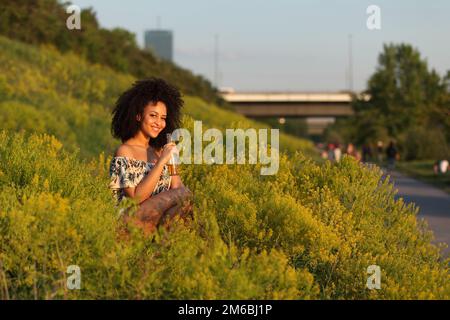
pixel 285 45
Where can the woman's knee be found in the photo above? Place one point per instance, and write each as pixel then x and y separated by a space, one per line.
pixel 137 219
pixel 153 208
pixel 186 194
pixel 149 211
pixel 188 202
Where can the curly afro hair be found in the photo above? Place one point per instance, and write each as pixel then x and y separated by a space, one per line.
pixel 132 103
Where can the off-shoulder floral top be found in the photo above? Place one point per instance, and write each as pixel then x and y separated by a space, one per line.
pixel 128 172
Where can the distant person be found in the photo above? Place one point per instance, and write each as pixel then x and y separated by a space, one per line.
pixel 322 150
pixel 380 152
pixel 366 153
pixel 443 166
pixel 337 153
pixel 391 155
pixel 351 151
pixel 331 152
pixel 440 167
pixel 436 167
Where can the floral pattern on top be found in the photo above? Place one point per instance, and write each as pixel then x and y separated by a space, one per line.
pixel 128 172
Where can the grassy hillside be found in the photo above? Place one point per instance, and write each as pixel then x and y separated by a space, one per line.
pixel 42 91
pixel 44 22
pixel 308 232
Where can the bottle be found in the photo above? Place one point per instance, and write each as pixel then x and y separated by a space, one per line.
pixel 172 164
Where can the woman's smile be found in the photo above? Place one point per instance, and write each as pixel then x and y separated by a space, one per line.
pixel 156 129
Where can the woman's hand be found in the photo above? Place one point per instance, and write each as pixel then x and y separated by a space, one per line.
pixel 168 149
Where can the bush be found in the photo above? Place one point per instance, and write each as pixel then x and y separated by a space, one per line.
pixel 425 144
pixel 308 232
pixel 332 220
pixel 56 211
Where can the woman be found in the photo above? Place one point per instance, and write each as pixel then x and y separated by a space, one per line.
pixel 142 117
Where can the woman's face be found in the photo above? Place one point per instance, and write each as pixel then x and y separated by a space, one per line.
pixel 153 119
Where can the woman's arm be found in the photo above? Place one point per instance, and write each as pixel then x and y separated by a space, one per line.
pixel 145 188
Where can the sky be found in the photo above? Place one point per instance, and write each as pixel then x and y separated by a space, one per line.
pixel 284 45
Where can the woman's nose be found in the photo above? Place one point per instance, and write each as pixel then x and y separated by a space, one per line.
pixel 160 122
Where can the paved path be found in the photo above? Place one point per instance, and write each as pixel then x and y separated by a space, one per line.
pixel 433 203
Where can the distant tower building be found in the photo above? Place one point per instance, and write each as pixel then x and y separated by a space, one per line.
pixel 161 42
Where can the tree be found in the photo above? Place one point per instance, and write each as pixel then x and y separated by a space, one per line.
pixel 404 95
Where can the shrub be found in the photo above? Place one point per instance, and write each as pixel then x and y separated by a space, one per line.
pixel 332 220
pixel 425 144
pixel 56 211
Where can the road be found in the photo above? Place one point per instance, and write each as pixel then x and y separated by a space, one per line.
pixel 433 203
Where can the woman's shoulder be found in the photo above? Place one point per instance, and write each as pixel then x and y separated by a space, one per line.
pixel 122 157
pixel 127 156
pixel 125 151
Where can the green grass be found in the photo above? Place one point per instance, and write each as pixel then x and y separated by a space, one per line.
pixel 423 170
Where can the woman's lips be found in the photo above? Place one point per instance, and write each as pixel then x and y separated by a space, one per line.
pixel 155 129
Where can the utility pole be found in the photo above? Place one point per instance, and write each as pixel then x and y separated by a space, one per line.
pixel 350 63
pixel 216 60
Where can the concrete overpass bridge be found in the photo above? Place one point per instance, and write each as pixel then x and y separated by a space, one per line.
pixel 319 108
